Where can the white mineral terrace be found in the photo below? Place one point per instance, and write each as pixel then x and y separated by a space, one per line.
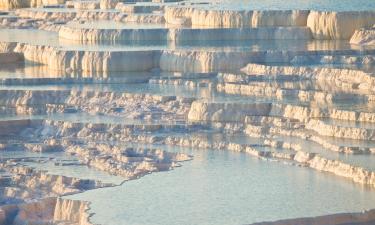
pixel 165 112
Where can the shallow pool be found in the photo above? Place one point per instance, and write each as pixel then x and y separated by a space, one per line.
pixel 220 187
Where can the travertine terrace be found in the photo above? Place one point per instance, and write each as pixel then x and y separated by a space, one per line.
pixel 97 95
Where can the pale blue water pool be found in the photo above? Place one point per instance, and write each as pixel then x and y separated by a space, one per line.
pixel 220 187
pixel 40 37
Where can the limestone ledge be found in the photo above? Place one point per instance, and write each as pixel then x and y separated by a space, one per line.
pixel 233 61
pixel 140 18
pixel 363 37
pixel 356 79
pixel 311 160
pixel 319 97
pixel 202 111
pixel 296 155
pixel 235 18
pixel 52 129
pixel 86 5
pixel 114 61
pixel 183 34
pixel 323 25
pixel 29 184
pixel 271 126
pixel 108 4
pixel 341 131
pixel 130 163
pixel 51 210
pixel 240 82
pixel 170 60
pixel 338 25
pixel 236 112
pixel 127 105
pixel 182 82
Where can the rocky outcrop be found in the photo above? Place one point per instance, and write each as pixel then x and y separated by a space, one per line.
pixel 108 4
pixel 348 78
pixel 357 174
pixel 129 163
pixel 237 112
pixel 274 18
pixel 47 211
pixel 228 112
pixel 30 184
pixel 202 61
pixel 302 115
pixel 148 18
pixel 71 211
pixel 170 60
pixel 181 34
pixel 340 131
pixel 62 60
pixel 86 5
pixel 324 25
pixel 338 25
pixel 202 17
pixel 271 90
pixel 363 37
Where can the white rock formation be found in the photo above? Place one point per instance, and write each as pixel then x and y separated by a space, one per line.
pixel 363 37
pixel 72 211
pixel 130 163
pixel 214 18
pixel 340 131
pixel 138 8
pixel 346 78
pixel 108 4
pixel 226 112
pixel 107 61
pixel 48 211
pixel 338 25
pixel 202 61
pixel 273 18
pixel 183 34
pixel 86 5
pixel 141 18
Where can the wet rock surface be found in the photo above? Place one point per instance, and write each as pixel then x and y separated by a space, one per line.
pixel 93 92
